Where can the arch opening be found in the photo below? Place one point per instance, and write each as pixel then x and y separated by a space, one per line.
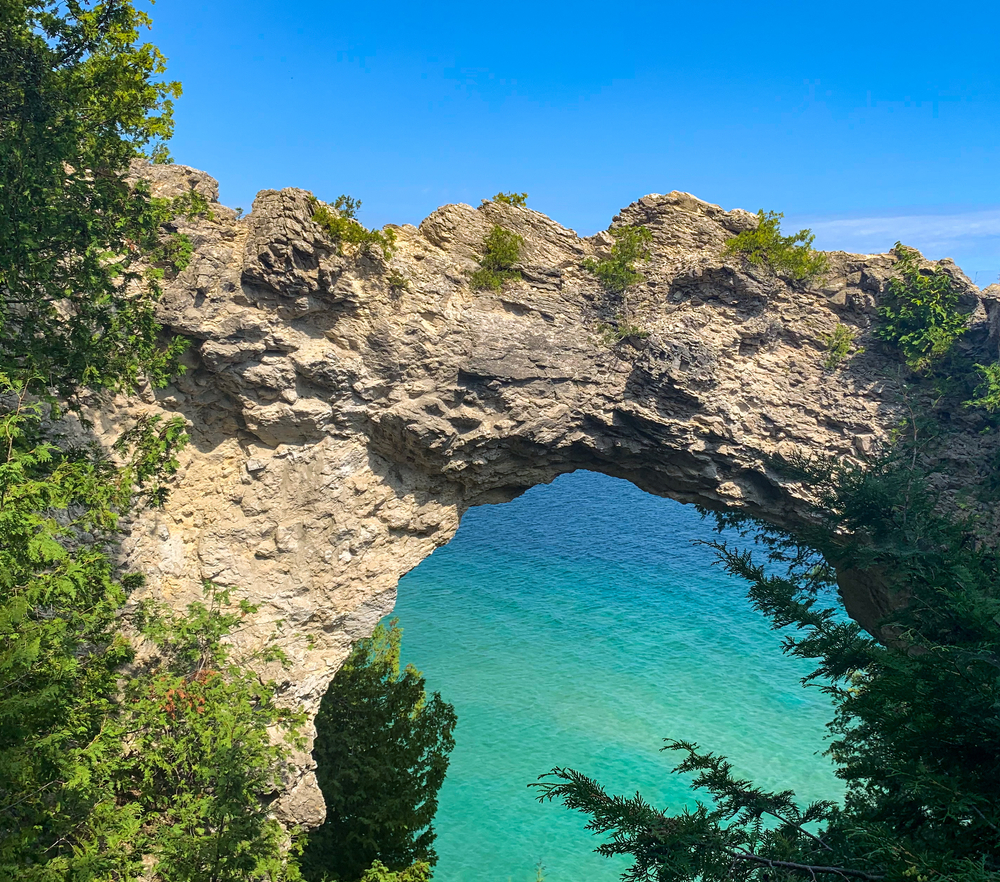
pixel 578 625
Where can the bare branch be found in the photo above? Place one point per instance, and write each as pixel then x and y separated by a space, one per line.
pixel 811 869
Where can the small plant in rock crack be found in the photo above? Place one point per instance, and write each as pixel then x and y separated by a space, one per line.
pixel 398 283
pixel 613 334
pixel 838 345
pixel 518 200
pixel 342 227
pixel 501 251
pixel 617 273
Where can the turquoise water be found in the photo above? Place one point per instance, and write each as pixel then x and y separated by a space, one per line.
pixel 578 626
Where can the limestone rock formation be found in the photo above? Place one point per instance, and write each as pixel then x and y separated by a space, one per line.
pixel 343 420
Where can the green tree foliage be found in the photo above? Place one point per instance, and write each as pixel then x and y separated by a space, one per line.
pixel 91 779
pixel 378 872
pixel 838 346
pixel 501 252
pixel 518 200
pixel 59 650
pixel 921 317
pixel 96 783
pixel 80 98
pixel 617 273
pixel 987 392
pixel 193 205
pixel 342 226
pixel 790 256
pixel 111 768
pixel 916 730
pixel 382 751
pixel 919 313
pixel 197 753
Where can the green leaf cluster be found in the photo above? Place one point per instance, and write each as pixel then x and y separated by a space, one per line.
pixel 342 227
pixel 518 200
pixel 501 250
pixel 378 872
pixel 747 833
pixel 987 391
pixel 59 648
pixel 838 345
pixel 150 448
pixel 790 256
pixel 169 257
pixel 919 313
pixel 382 747
pixel 617 273
pixel 191 205
pixel 81 97
pixel 397 282
pixel 921 317
pixel 202 742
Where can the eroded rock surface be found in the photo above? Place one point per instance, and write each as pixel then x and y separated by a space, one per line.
pixel 341 424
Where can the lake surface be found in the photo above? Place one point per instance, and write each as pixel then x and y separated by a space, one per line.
pixel 578 626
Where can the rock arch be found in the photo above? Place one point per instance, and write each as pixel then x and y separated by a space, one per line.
pixel 342 424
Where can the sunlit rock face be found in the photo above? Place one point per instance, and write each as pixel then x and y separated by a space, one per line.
pixel 341 424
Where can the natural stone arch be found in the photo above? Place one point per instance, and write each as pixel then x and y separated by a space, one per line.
pixel 341 426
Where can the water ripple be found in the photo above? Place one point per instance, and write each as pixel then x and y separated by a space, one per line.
pixel 578 626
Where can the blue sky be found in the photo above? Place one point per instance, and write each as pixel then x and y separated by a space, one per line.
pixel 869 122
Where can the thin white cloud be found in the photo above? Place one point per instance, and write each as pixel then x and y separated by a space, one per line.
pixel 971 238
pixel 930 228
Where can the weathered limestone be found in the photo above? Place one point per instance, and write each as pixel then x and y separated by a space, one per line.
pixel 342 426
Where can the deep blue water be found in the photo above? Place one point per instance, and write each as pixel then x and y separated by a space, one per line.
pixel 578 626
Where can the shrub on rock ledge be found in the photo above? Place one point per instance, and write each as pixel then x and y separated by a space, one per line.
pixel 764 245
pixel 343 228
pixel 501 251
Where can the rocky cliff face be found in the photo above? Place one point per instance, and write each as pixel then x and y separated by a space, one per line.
pixel 342 425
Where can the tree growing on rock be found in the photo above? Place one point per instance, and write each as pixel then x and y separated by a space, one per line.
pixel 765 246
pixel 501 250
pixel 617 273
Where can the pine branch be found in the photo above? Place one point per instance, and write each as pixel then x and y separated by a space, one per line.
pixel 811 869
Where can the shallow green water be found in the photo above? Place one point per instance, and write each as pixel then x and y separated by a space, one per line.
pixel 578 626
